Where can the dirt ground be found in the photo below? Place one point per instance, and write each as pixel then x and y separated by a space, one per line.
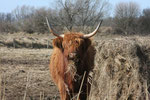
pixel 24 73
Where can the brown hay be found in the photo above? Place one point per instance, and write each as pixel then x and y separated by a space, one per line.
pixel 22 40
pixel 122 70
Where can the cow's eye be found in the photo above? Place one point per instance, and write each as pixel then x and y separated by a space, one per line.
pixel 76 41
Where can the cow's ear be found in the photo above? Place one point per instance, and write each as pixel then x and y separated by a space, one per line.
pixel 58 42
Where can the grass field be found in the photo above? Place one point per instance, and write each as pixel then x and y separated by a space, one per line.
pixel 24 71
pixel 25 74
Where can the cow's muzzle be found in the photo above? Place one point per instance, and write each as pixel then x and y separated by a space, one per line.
pixel 72 56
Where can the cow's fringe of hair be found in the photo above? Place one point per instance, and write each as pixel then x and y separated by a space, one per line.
pixel 72 69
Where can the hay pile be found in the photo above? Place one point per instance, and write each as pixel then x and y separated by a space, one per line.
pixel 24 40
pixel 122 69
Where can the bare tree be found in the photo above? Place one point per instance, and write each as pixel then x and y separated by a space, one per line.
pixel 144 21
pixel 6 22
pixel 23 12
pixel 70 14
pixel 81 12
pixel 30 20
pixel 146 12
pixel 23 18
pixel 126 15
pixel 39 20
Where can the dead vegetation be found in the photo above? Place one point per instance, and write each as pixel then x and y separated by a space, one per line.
pixel 24 40
pixel 25 74
pixel 122 69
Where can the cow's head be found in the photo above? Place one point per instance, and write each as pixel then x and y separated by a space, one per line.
pixel 73 45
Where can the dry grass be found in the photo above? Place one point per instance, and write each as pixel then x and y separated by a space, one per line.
pixel 24 40
pixel 26 74
pixel 0 87
pixel 122 67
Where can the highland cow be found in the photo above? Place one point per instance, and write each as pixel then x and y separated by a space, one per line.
pixel 71 62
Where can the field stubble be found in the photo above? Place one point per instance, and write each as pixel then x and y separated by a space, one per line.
pixel 25 74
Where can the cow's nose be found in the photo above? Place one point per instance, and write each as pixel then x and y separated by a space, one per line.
pixel 72 55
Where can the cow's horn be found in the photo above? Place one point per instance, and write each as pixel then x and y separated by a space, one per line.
pixel 94 32
pixel 51 29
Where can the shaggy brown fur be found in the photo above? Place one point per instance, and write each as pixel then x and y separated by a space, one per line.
pixel 71 57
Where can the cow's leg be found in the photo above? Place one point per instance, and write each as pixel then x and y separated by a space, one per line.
pixel 64 93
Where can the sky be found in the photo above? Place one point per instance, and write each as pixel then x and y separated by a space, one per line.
pixel 7 6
